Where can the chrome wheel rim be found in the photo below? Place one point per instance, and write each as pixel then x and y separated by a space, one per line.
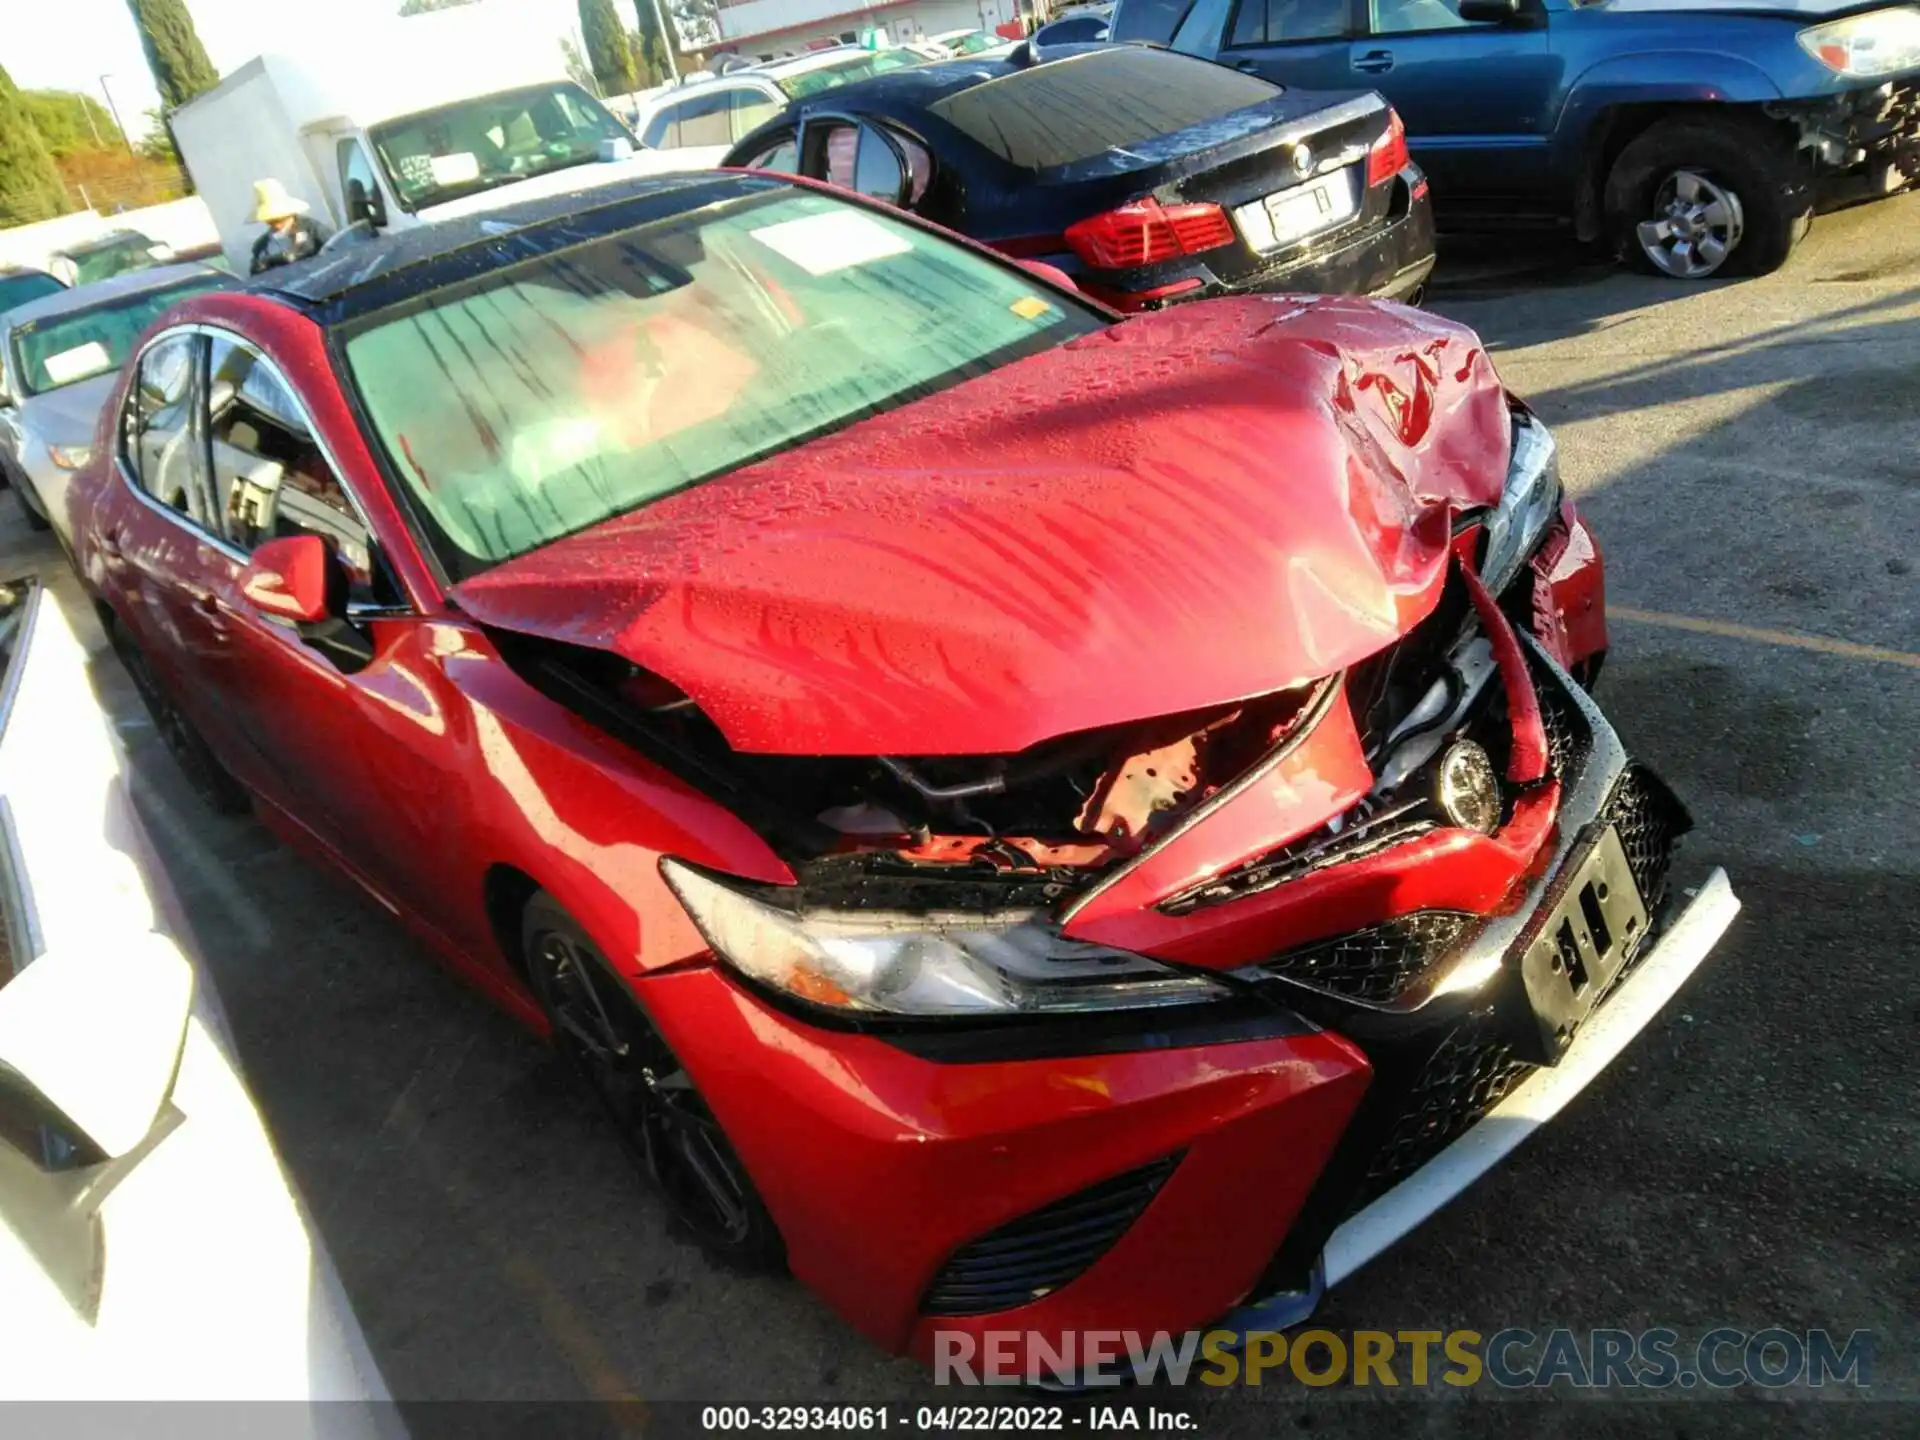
pixel 661 1119
pixel 1696 225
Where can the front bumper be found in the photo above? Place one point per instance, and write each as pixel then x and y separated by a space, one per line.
pixel 1158 1170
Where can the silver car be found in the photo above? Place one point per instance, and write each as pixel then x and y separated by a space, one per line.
pixel 58 359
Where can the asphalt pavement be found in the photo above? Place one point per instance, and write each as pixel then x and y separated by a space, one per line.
pixel 1750 455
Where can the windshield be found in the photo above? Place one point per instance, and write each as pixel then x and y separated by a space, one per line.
pixel 462 149
pixel 548 396
pixel 19 288
pixel 845 72
pixel 66 349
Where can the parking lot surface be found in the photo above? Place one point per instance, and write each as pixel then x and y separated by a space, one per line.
pixel 1750 455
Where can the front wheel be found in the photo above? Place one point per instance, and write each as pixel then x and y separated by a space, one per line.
pixel 1695 198
pixel 29 503
pixel 208 777
pixel 661 1118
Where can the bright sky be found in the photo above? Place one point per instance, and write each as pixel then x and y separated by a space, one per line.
pixel 69 44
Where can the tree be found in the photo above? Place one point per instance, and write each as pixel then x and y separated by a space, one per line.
pixel 158 144
pixel 178 60
pixel 422 7
pixel 696 23
pixel 578 70
pixel 30 187
pixel 607 48
pixel 69 122
pixel 649 46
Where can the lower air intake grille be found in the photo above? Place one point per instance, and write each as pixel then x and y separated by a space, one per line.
pixel 1650 821
pixel 1377 963
pixel 1026 1258
pixel 1469 1073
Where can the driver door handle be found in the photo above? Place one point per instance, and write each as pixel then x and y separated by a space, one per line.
pixel 1374 62
pixel 110 544
pixel 205 602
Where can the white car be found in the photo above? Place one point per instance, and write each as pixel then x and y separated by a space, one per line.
pixel 702 120
pixel 151 1247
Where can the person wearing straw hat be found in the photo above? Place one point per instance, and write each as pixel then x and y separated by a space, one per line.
pixel 291 233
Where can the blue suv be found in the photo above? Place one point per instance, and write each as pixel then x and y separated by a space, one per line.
pixel 1696 136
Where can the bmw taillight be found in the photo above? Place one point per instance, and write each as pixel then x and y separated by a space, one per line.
pixel 1143 232
pixel 1388 157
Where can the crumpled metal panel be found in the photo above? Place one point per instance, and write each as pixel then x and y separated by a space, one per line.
pixel 1193 507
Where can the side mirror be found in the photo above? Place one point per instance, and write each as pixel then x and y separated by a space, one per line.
pixel 1052 274
pixel 296 578
pixel 1489 12
pixel 614 149
pixel 92 1039
pixel 364 205
pixel 90 1044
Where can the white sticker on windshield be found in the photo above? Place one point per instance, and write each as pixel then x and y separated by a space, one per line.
pixel 77 363
pixel 835 240
pixel 454 169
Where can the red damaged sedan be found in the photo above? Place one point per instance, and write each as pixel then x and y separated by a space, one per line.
pixel 1038 822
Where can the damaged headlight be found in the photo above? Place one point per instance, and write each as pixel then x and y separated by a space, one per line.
pixel 1880 42
pixel 922 966
pixel 1526 508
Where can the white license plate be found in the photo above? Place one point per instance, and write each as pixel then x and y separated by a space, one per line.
pixel 1287 217
pixel 1308 209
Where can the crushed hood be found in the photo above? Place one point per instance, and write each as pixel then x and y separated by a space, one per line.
pixel 1192 507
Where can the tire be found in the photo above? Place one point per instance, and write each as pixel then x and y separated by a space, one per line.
pixel 209 779
pixel 664 1124
pixel 1732 181
pixel 28 502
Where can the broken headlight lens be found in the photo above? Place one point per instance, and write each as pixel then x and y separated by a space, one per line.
pixel 1527 506
pixel 1880 42
pixel 923 965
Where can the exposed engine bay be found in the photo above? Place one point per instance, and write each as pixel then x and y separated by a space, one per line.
pixel 1029 830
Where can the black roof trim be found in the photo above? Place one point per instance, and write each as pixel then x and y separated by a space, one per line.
pixel 356 279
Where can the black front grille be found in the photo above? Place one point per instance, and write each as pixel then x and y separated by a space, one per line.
pixel 1376 964
pixel 1472 1070
pixel 1026 1258
pixel 1568 737
pixel 1650 821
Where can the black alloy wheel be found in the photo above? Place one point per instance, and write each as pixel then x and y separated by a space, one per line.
pixel 663 1122
pixel 208 778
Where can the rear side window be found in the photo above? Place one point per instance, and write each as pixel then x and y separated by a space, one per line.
pixel 1151 20
pixel 702 120
pixel 157 430
pixel 1072 109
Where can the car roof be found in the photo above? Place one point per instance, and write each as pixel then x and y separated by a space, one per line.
pixel 120 287
pixel 350 280
pixel 111 238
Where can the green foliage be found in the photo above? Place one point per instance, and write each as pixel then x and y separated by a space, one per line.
pixel 578 70
pixel 608 50
pixel 178 60
pixel 69 122
pixel 649 46
pixel 30 187
pixel 422 7
pixel 158 144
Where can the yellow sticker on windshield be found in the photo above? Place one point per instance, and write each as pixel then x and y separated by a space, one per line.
pixel 1030 307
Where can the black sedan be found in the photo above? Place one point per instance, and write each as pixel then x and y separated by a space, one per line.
pixel 1145 175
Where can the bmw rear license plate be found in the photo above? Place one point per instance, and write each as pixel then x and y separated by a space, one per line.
pixel 1594 922
pixel 1308 209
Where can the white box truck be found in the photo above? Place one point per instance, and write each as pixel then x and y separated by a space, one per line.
pixel 454 120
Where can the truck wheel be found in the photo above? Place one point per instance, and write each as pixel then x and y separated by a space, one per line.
pixel 1696 197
